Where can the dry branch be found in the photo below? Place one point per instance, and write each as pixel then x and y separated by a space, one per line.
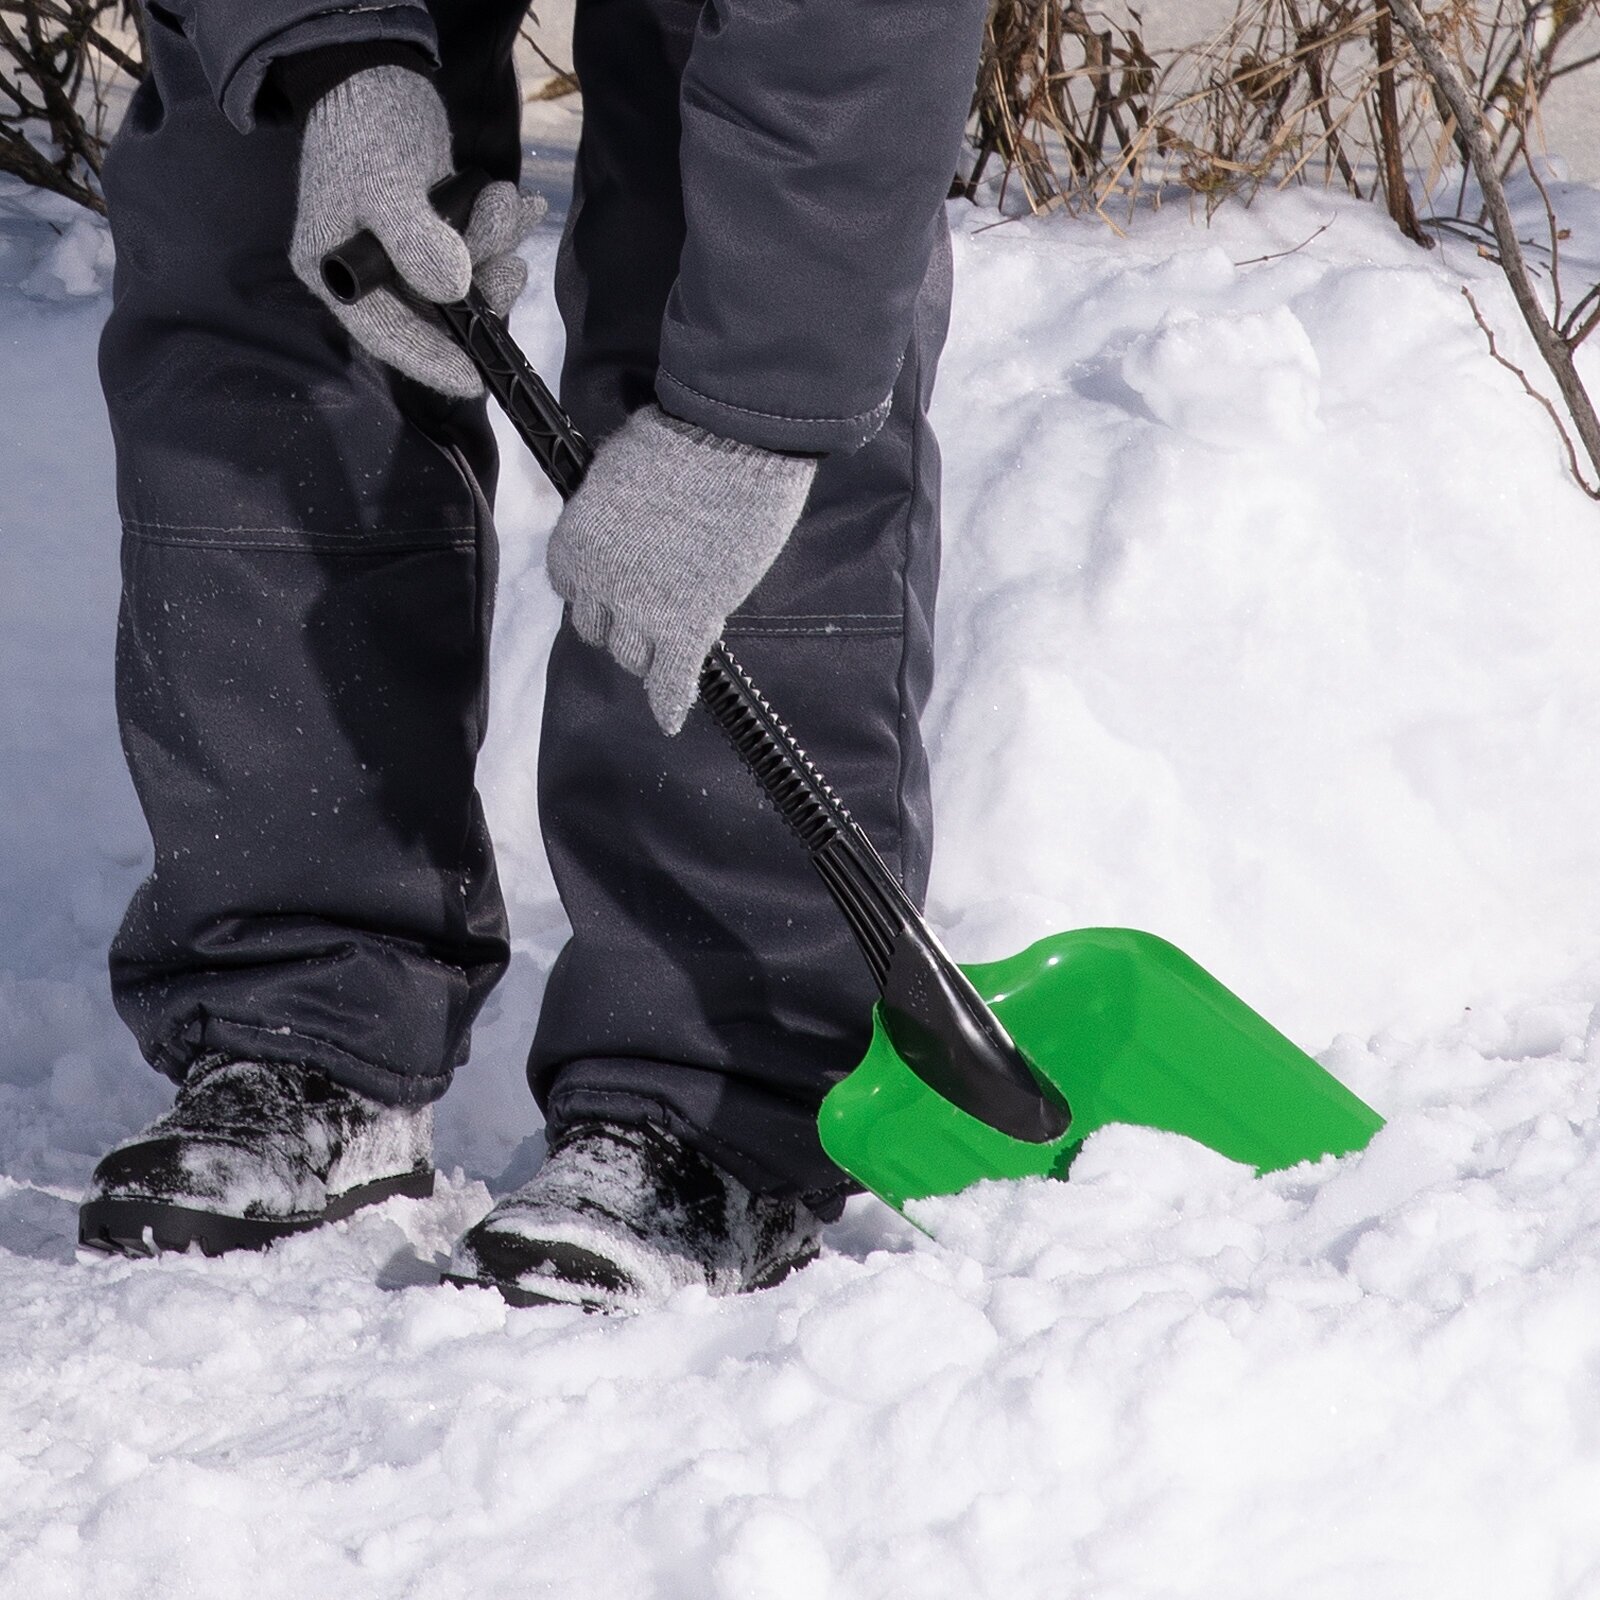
pixel 59 62
pixel 1470 120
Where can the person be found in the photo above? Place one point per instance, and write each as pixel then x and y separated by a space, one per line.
pixel 754 280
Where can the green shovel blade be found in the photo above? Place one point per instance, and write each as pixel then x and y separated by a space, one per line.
pixel 1130 1030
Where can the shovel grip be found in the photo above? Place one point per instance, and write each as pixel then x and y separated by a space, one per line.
pixel 870 896
pixel 802 797
pixel 541 423
pixel 360 266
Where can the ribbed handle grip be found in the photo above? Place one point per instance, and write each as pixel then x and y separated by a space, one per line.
pixel 769 750
pixel 532 410
pixel 863 887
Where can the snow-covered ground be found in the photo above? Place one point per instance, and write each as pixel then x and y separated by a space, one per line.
pixel 1268 624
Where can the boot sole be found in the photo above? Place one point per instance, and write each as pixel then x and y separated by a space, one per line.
pixel 579 1278
pixel 513 1296
pixel 579 1269
pixel 145 1228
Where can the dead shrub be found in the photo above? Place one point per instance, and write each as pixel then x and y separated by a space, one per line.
pixel 65 66
pixel 1080 112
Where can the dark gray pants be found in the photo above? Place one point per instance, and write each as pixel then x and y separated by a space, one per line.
pixel 308 571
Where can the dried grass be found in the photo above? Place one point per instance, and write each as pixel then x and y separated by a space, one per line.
pixel 1074 110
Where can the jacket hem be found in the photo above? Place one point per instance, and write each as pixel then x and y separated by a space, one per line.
pixel 769 430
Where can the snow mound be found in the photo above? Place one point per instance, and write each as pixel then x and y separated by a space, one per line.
pixel 1266 616
pixel 77 266
pixel 1249 381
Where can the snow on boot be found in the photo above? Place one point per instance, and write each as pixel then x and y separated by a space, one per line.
pixel 618 1218
pixel 248 1154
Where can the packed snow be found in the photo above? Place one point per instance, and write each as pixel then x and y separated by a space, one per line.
pixel 1267 625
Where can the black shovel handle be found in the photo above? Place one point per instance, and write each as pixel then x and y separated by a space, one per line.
pixel 353 270
pixel 938 1021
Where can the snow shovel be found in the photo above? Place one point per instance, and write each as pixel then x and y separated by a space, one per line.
pixel 984 1072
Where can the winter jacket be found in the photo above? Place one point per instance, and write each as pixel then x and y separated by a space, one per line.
pixel 818 142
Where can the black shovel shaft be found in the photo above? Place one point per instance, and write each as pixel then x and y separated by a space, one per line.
pixel 936 1018
pixel 937 1021
pixel 868 894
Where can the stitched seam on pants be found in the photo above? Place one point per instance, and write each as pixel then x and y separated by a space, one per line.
pixel 485 569
pixel 140 525
pixel 820 630
pixel 298 541
pixel 864 624
pixel 757 618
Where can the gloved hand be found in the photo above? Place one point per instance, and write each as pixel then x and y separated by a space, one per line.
pixel 373 147
pixel 667 535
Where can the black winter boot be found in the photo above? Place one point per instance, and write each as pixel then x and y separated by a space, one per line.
pixel 248 1154
pixel 618 1218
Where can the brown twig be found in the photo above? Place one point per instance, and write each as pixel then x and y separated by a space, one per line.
pixel 57 63
pixel 1543 399
pixel 563 80
pixel 1396 190
pixel 1555 351
pixel 1310 41
pixel 1294 250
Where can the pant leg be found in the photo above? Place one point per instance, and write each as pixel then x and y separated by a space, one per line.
pixel 308 573
pixel 709 981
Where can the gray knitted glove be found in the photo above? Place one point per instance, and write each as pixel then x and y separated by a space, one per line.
pixel 668 534
pixel 372 149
